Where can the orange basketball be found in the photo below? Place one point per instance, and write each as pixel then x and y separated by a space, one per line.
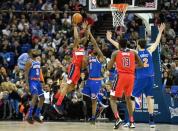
pixel 77 18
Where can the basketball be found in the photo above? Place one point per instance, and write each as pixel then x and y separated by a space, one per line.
pixel 77 18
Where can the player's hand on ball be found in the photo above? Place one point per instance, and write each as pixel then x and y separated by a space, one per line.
pixel 85 25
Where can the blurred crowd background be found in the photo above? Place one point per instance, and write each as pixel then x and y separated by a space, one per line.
pixel 46 25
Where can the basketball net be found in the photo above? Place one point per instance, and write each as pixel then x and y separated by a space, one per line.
pixel 118 14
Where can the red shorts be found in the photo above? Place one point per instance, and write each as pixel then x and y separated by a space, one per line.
pixel 73 74
pixel 124 83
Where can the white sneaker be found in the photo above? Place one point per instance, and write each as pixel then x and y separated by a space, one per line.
pixel 132 125
pixel 117 123
pixel 126 124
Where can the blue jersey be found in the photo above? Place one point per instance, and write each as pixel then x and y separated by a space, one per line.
pixel 22 60
pixel 113 74
pixel 35 70
pixel 94 67
pixel 148 69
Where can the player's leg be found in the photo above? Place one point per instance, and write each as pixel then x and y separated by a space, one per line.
pixel 73 77
pixel 128 93
pixel 130 110
pixel 34 92
pixel 95 86
pixel 63 91
pixel 40 104
pixel 137 90
pixel 116 91
pixel 150 100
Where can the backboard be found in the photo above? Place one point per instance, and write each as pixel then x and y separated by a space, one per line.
pixel 134 5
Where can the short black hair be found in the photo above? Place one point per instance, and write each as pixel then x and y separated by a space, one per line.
pixel 123 43
pixel 142 43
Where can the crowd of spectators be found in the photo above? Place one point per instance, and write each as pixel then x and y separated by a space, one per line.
pixel 169 5
pixel 46 25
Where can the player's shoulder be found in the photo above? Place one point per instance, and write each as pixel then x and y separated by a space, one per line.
pixel 134 51
pixel 115 53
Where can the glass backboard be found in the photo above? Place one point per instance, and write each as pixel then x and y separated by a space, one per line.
pixel 134 5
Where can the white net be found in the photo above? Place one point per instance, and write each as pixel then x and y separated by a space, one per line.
pixel 118 14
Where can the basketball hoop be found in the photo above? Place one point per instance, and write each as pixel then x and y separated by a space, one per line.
pixel 118 14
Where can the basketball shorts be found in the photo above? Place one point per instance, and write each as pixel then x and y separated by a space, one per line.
pixel 73 74
pixel 35 87
pixel 143 85
pixel 123 84
pixel 92 88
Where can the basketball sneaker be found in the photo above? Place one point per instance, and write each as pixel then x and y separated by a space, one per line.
pixel 132 125
pixel 92 121
pixel 58 109
pixel 37 118
pixel 152 124
pixel 126 124
pixel 30 120
pixel 117 124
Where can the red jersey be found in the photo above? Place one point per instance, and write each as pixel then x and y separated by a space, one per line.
pixel 77 56
pixel 125 62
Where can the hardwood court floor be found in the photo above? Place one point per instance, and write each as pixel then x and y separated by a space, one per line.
pixel 77 126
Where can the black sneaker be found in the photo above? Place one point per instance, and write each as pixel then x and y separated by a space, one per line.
pixel 152 124
pixel 117 124
pixel 58 109
pixel 92 121
pixel 36 118
pixel 30 120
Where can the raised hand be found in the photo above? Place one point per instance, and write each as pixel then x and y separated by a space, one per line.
pixel 108 35
pixel 85 25
pixel 161 27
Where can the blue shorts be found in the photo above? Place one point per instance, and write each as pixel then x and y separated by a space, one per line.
pixel 143 85
pixel 92 88
pixel 35 87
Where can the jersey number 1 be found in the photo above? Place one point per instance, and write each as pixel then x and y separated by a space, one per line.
pixel 37 72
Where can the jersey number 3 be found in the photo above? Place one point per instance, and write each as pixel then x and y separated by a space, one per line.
pixel 126 61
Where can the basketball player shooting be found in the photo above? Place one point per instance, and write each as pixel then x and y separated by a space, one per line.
pixel 74 68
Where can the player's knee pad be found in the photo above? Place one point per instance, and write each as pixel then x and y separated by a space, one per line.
pixel 132 98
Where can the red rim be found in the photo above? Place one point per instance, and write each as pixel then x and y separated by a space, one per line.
pixel 120 7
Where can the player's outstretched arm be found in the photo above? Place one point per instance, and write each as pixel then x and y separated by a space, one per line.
pixel 112 61
pixel 95 45
pixel 153 47
pixel 109 38
pixel 76 37
pixel 86 37
pixel 27 69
